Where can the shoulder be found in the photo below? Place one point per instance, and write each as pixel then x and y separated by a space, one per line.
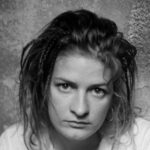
pixel 12 138
pixel 142 133
pixel 14 131
pixel 141 126
pixel 141 121
pixel 139 136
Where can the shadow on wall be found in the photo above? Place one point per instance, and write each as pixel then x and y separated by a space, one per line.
pixel 21 20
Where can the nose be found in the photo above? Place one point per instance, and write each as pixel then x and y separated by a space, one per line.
pixel 79 106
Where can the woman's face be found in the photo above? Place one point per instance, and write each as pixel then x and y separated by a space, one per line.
pixel 80 96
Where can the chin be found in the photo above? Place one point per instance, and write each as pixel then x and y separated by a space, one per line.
pixel 77 134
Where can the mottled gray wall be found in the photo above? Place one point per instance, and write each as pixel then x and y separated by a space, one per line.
pixel 21 19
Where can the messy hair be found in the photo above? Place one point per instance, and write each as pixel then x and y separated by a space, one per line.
pixel 92 35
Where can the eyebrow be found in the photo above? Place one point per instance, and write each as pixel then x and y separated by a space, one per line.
pixel 75 85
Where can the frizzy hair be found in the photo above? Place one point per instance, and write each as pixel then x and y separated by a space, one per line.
pixel 92 35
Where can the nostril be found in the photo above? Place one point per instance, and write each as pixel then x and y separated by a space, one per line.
pixel 80 115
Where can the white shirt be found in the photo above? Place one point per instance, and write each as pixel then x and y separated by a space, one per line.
pixel 12 138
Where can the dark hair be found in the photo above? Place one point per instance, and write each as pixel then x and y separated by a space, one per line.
pixel 92 35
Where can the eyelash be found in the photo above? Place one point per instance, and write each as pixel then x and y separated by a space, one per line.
pixel 100 93
pixel 63 86
pixel 66 87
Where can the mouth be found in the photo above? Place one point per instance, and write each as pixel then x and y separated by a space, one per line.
pixel 78 124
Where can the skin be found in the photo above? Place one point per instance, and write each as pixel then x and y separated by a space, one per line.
pixel 80 96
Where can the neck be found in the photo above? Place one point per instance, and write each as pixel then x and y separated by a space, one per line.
pixel 62 143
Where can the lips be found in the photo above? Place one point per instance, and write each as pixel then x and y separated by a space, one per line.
pixel 78 124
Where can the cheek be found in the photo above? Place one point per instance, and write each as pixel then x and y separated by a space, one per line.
pixel 56 110
pixel 99 113
pixel 58 104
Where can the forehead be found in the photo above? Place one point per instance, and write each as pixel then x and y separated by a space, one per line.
pixel 79 67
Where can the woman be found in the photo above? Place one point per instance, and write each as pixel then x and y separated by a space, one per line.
pixel 76 84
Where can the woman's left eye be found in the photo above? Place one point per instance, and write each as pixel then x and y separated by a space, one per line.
pixel 99 92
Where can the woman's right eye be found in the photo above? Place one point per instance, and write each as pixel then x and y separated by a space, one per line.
pixel 64 87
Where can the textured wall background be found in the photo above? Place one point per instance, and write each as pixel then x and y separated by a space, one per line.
pixel 20 20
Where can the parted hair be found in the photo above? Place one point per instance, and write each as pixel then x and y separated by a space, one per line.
pixel 92 35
